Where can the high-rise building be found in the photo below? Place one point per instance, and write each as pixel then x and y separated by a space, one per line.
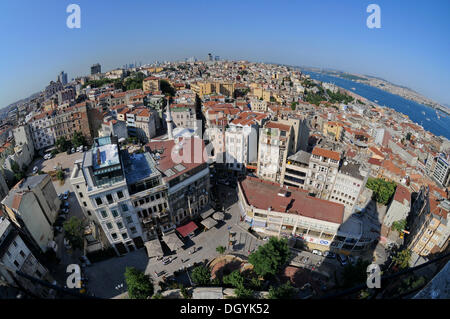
pixel 210 57
pixel 62 78
pixel 96 68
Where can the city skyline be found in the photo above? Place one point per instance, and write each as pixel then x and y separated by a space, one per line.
pixel 324 36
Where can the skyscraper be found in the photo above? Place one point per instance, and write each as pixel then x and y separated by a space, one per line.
pixel 96 68
pixel 62 78
pixel 210 57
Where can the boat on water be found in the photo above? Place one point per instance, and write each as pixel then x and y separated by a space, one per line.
pixel 428 119
pixel 376 101
pixel 423 112
pixel 353 89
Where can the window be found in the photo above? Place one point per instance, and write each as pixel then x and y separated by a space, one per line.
pixel 103 213
pixel 78 186
pixel 81 194
pixel 114 213
pixel 22 253
pixel 124 207
pixel 38 273
pixel 109 198
pixel 124 235
pixel 119 194
pixel 114 236
pixel 14 243
pixel 89 213
pixel 84 204
pixel 133 230
pixel 129 219
pixel 16 263
pixel 98 200
pixel 109 225
pixel 119 225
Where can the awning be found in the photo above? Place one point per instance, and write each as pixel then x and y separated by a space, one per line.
pixel 257 223
pixel 172 240
pixel 209 223
pixel 187 229
pixel 154 248
pixel 207 213
pixel 218 216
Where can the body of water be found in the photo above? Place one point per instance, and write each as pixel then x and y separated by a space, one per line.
pixel 418 113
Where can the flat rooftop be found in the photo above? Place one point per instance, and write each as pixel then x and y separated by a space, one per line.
pixel 264 194
pixel 105 155
pixel 138 167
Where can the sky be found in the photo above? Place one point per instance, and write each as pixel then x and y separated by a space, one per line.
pixel 411 48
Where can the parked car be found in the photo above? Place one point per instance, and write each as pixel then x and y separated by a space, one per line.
pixel 342 259
pixel 67 244
pixel 65 210
pixel 35 169
pixel 60 196
pixel 85 148
pixel 317 252
pixel 329 254
pixel 73 150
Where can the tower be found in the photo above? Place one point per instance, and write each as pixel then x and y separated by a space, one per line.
pixel 169 120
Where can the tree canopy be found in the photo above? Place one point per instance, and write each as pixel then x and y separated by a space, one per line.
pixel 74 229
pixel 236 279
pixel 402 258
pixel 62 144
pixel 382 190
pixel 201 275
pixel 399 225
pixel 166 88
pixel 78 139
pixel 284 291
pixel 270 257
pixel 139 285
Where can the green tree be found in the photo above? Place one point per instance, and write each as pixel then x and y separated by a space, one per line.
pixel 293 106
pixel 78 139
pixel 244 293
pixel 201 275
pixel 18 173
pixel 62 144
pixel 399 225
pixel 235 279
pixel 166 88
pixel 60 175
pixel 139 285
pixel 382 190
pixel 402 258
pixel 284 291
pixel 74 230
pixel 220 249
pixel 270 257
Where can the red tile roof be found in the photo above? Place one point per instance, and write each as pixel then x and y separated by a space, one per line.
pixel 326 153
pixel 264 194
pixel 402 193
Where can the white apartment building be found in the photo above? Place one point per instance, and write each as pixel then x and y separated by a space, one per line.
pixel 349 184
pixel 42 129
pixel 276 143
pixel 323 165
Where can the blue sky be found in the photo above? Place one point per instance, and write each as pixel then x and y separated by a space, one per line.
pixel 412 48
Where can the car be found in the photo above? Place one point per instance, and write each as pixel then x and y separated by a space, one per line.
pixel 85 148
pixel 342 259
pixel 65 197
pixel 57 229
pixel 65 210
pixel 73 150
pixel 60 196
pixel 329 254
pixel 66 204
pixel 67 244
pixel 35 169
pixel 317 252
